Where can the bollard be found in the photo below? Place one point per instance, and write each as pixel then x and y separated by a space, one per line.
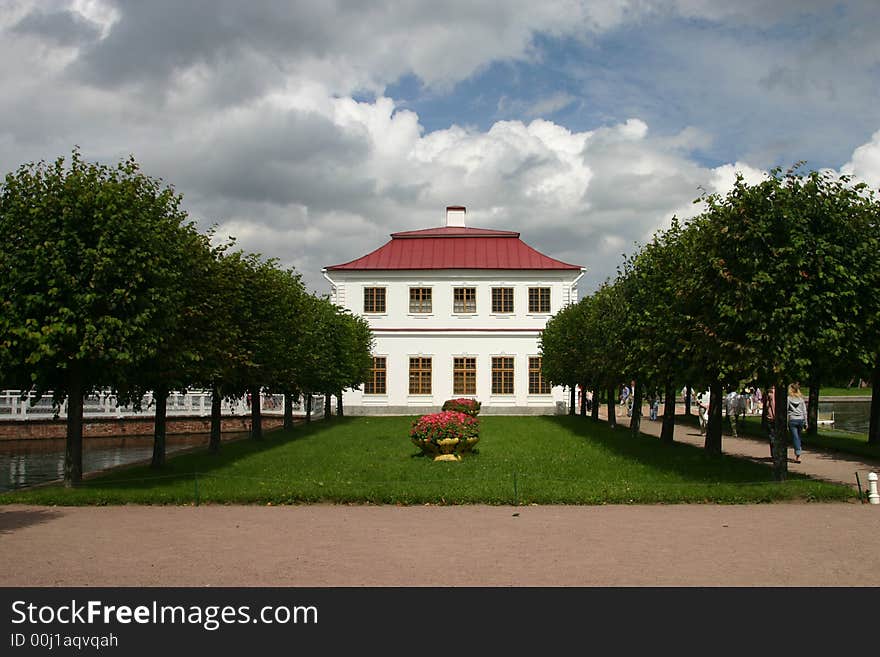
pixel 873 495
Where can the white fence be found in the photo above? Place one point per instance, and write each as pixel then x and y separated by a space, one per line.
pixel 104 405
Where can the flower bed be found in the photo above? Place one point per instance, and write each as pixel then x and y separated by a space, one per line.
pixel 445 435
pixel 463 405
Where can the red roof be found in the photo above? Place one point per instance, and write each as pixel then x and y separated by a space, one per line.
pixel 455 248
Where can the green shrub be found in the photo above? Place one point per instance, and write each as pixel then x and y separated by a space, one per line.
pixel 463 405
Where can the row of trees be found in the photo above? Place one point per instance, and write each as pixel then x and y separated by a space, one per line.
pixel 773 283
pixel 105 282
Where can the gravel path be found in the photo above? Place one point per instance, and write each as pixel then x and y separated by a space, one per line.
pixel 325 545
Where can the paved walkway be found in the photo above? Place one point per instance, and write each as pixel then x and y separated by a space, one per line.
pixel 823 464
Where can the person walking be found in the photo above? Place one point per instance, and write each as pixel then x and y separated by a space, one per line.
pixel 732 402
pixel 797 418
pixel 770 400
pixel 703 402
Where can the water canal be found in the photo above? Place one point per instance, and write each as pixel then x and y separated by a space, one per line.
pixel 29 462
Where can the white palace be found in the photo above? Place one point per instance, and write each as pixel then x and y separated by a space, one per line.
pixel 455 312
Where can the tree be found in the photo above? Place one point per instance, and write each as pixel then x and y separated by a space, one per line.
pixel 658 314
pixel 563 348
pixel 783 297
pixel 89 278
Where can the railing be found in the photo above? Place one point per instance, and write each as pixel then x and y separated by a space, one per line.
pixel 15 406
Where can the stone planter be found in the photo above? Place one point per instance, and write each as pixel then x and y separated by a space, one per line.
pixel 448 449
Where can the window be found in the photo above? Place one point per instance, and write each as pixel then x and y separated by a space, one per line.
pixel 420 299
pixel 502 375
pixel 539 299
pixel 464 300
pixel 419 376
pixel 537 383
pixel 375 385
pixel 464 376
pixel 374 299
pixel 502 299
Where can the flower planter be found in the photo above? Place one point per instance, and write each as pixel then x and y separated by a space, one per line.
pixel 447 449
pixel 431 434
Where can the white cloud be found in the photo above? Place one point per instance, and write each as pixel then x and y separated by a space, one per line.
pixel 865 162
pixel 264 137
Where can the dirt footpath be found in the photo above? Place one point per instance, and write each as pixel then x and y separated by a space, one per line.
pixel 325 545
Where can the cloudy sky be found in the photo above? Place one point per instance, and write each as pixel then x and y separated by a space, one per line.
pixel 312 129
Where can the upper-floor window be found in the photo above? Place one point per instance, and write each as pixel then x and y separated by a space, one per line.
pixel 377 381
pixel 420 299
pixel 464 300
pixel 374 299
pixel 537 383
pixel 539 299
pixel 502 299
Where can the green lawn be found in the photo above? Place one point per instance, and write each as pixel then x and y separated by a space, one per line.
pixel 841 392
pixel 545 460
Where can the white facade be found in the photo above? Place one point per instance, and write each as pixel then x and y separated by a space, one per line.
pixel 443 335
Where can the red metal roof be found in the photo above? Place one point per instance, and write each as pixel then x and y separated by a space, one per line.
pixel 454 248
pixel 454 231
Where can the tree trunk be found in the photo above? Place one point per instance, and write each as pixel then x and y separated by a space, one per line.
pixel 571 403
pixel 687 400
pixel 256 414
pixel 216 418
pixel 874 422
pixel 288 411
pixel 308 407
pixel 583 400
pixel 612 417
pixel 713 428
pixel 160 426
pixel 328 405
pixel 813 407
pixel 765 401
pixel 73 447
pixel 667 432
pixel 635 423
pixel 594 410
pixel 339 409
pixel 779 446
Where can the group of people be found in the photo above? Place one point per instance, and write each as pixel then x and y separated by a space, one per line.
pixel 739 404
pixel 627 397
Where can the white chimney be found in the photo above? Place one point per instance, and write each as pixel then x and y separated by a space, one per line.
pixel 455 215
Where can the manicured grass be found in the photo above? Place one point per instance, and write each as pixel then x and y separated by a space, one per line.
pixel 544 460
pixel 841 392
pixel 841 441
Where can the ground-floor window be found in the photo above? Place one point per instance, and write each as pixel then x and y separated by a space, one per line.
pixel 502 375
pixel 537 383
pixel 464 376
pixel 376 384
pixel 420 375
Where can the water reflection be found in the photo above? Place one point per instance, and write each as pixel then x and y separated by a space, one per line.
pixel 28 462
pixel 848 416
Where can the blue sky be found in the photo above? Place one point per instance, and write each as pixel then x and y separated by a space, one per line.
pixel 310 130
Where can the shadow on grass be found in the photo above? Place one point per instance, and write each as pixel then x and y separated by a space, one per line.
pixel 685 461
pixel 188 466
